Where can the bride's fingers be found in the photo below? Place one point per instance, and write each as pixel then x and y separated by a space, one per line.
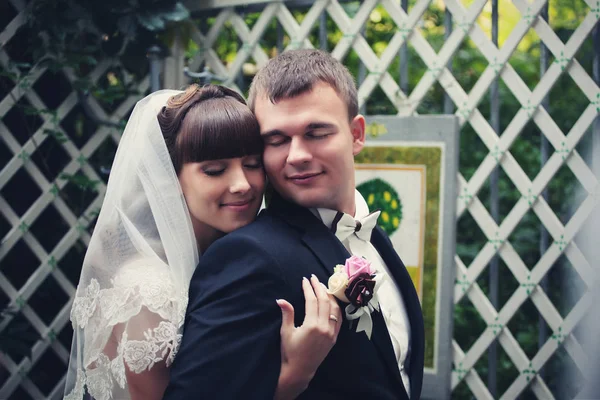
pixel 311 303
pixel 323 300
pixel 287 315
pixel 337 311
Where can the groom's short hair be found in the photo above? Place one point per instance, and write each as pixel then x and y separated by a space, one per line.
pixel 295 72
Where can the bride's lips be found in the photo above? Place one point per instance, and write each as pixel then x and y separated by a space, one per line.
pixel 241 205
pixel 304 179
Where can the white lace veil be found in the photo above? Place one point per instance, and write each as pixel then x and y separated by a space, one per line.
pixel 132 295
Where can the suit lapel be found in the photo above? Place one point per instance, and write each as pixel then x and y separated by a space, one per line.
pixel 383 342
pixel 326 248
pixel 411 302
pixel 381 339
pixel 315 234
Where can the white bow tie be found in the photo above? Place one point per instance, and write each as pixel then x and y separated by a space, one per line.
pixel 344 225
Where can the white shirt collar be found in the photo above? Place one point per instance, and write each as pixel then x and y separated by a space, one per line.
pixel 327 215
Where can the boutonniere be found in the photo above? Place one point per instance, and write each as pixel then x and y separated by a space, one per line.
pixel 355 283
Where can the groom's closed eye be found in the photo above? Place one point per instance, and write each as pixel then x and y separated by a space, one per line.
pixel 318 134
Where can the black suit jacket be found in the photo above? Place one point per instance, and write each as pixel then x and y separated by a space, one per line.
pixel 231 341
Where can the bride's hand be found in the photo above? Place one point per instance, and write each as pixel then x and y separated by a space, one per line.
pixel 305 347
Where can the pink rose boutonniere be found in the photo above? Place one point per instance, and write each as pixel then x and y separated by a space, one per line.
pixel 355 283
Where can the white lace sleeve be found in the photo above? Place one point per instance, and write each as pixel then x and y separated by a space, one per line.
pixel 139 319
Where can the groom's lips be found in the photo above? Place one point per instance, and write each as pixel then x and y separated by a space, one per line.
pixel 304 179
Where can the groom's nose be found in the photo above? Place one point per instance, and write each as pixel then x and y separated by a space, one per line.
pixel 298 151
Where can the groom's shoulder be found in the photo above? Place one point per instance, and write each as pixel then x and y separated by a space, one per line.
pixel 265 227
pixel 265 231
pixel 261 239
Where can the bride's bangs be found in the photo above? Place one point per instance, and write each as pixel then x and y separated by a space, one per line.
pixel 218 129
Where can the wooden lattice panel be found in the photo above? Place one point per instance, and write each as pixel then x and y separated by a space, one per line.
pixel 48 271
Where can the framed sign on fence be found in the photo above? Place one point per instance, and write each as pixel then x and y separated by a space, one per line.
pixel 408 170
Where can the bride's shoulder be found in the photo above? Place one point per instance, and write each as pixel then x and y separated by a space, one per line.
pixel 141 271
pixel 148 282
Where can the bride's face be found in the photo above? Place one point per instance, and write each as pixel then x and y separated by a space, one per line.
pixel 222 195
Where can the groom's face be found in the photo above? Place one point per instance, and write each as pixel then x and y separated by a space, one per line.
pixel 310 146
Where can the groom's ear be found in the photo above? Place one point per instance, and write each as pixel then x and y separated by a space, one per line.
pixel 357 128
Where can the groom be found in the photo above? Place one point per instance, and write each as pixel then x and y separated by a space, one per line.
pixel 306 104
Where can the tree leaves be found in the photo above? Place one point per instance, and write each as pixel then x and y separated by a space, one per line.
pixel 77 32
pixel 81 180
pixel 155 20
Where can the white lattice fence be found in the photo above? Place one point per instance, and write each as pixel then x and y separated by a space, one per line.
pixel 47 229
pixel 21 241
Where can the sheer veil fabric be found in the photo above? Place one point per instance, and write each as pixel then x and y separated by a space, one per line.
pixel 132 295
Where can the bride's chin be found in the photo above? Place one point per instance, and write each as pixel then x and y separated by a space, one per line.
pixel 235 225
pixel 241 224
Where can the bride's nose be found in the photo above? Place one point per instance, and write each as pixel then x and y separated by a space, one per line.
pixel 239 182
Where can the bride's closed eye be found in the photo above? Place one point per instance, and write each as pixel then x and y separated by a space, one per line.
pixel 213 169
pixel 214 172
pixel 218 168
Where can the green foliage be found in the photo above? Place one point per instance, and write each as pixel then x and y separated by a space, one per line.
pixel 156 19
pixel 78 32
pixel 77 36
pixel 82 181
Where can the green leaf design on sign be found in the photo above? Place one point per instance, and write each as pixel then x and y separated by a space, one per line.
pixel 381 195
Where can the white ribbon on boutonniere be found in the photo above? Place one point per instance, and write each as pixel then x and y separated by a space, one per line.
pixel 356 282
pixel 363 314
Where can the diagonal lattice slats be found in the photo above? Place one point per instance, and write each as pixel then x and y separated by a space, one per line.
pixel 47 261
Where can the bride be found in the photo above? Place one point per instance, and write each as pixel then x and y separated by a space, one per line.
pixel 187 171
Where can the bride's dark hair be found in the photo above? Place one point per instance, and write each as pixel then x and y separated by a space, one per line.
pixel 208 123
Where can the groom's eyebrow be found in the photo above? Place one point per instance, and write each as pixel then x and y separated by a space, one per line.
pixel 310 127
pixel 319 125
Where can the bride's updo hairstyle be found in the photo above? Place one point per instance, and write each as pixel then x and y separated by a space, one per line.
pixel 208 123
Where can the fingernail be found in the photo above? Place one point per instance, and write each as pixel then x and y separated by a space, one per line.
pixel 304 278
pixel 278 301
pixel 313 276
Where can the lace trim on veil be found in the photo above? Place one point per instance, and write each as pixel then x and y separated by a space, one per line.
pixel 138 289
